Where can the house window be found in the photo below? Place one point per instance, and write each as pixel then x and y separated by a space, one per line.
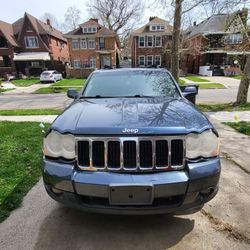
pixel 31 42
pixel 89 29
pixel 157 27
pixel 102 43
pixel 150 60
pixel 141 60
pixel 85 30
pixel 83 43
pixel 92 63
pixel 75 44
pixel 162 27
pixel 77 63
pixel 35 64
pixel 234 38
pixel 141 41
pixel 158 60
pixel 91 43
pixel 158 41
pixel 150 41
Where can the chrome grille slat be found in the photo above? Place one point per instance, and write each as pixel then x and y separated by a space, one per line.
pixel 148 148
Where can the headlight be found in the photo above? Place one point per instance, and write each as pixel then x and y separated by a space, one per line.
pixel 205 144
pixel 59 145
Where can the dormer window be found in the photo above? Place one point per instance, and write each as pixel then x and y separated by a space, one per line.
pixel 89 29
pixel 157 27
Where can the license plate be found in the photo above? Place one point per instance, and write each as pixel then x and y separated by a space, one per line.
pixel 131 195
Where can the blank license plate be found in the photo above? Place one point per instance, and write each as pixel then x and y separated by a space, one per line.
pixel 131 195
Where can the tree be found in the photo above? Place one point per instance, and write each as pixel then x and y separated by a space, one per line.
pixel 244 84
pixel 72 18
pixel 53 20
pixel 117 15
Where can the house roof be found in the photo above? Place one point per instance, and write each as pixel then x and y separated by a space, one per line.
pixel 10 31
pixel 154 20
pixel 213 25
pixel 7 30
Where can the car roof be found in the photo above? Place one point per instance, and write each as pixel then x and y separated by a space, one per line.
pixel 99 71
pixel 48 71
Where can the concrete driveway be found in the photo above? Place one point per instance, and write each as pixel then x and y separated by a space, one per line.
pixel 223 223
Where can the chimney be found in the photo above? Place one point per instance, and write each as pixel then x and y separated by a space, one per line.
pixel 244 14
pixel 194 23
pixel 152 18
pixel 94 19
pixel 48 21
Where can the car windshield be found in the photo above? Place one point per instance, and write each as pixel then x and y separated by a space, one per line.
pixel 46 73
pixel 139 83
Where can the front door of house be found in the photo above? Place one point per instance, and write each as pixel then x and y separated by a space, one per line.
pixel 105 61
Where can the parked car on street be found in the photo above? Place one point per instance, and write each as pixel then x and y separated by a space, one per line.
pixel 50 76
pixel 132 143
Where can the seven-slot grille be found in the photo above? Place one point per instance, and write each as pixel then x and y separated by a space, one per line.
pixel 131 153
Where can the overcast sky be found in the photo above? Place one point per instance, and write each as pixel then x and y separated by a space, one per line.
pixel 11 10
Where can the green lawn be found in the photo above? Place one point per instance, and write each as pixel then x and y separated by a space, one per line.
pixel 223 107
pixel 238 77
pixel 30 112
pixel 70 82
pixel 181 82
pixel 196 79
pixel 62 86
pixel 4 90
pixel 25 82
pixel 20 164
pixel 242 127
pixel 54 90
pixel 211 86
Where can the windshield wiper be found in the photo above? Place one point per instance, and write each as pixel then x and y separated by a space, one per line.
pixel 96 96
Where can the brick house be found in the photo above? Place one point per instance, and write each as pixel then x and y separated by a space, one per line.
pixel 30 46
pixel 218 45
pixel 92 45
pixel 150 45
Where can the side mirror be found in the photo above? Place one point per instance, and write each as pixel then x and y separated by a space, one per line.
pixel 72 93
pixel 190 92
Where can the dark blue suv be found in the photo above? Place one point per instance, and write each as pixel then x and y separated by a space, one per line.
pixel 132 143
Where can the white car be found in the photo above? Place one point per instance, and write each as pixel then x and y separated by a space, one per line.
pixel 50 76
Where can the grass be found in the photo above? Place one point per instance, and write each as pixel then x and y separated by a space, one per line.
pixel 62 86
pixel 242 127
pixel 30 112
pixel 70 82
pixel 196 79
pixel 25 82
pixel 20 165
pixel 54 90
pixel 223 107
pixel 181 82
pixel 4 90
pixel 211 86
pixel 238 77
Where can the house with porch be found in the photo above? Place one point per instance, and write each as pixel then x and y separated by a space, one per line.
pixel 92 45
pixel 150 44
pixel 29 46
pixel 217 46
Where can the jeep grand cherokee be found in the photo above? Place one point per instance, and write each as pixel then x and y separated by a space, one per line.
pixel 132 143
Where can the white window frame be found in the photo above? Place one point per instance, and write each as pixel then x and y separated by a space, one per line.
pixel 143 41
pixel 92 62
pixel 81 43
pixel 160 60
pixel 90 40
pixel 158 46
pixel 140 60
pixel 77 63
pixel 152 57
pixel 75 40
pixel 236 38
pixel 152 42
pixel 27 43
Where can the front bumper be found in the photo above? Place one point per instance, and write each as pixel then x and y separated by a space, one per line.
pixel 172 192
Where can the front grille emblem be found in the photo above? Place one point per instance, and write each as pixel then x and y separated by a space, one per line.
pixel 130 130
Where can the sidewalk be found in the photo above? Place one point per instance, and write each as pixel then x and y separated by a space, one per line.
pixel 29 118
pixel 226 116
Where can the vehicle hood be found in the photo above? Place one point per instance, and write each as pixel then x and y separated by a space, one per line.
pixel 111 116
